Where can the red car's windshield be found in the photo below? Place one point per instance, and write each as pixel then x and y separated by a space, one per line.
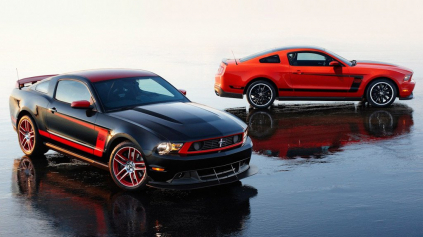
pixel 130 92
pixel 339 57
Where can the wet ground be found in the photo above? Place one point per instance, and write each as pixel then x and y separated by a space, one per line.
pixel 324 170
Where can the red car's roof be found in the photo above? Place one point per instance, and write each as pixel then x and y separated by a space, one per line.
pixel 108 74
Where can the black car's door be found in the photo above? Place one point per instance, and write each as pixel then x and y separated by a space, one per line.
pixel 69 126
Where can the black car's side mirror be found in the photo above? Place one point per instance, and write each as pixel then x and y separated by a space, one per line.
pixel 81 104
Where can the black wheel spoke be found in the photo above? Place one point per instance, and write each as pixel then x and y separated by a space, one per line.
pixel 261 94
pixel 381 93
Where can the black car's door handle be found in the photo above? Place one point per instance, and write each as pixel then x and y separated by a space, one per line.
pixel 53 110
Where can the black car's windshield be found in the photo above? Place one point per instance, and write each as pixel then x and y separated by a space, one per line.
pixel 130 92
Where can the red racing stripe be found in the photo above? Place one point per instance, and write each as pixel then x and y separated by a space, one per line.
pixel 101 141
pixel 101 137
pixel 43 133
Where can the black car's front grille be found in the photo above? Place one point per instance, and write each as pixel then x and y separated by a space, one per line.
pixel 221 174
pixel 215 143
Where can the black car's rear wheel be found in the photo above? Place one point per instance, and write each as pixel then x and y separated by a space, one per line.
pixel 381 93
pixel 261 94
pixel 29 138
pixel 127 167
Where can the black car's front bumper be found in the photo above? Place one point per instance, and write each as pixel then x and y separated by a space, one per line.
pixel 200 171
pixel 207 177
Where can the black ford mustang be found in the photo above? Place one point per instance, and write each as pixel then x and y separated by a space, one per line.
pixel 134 124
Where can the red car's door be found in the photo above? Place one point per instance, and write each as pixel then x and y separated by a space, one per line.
pixel 312 76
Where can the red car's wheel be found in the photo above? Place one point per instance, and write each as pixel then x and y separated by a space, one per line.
pixel 127 166
pixel 261 94
pixel 29 139
pixel 381 93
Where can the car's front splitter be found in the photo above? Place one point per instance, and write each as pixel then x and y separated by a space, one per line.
pixel 208 177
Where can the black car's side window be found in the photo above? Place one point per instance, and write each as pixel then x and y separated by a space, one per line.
pixel 42 86
pixel 69 91
pixel 308 59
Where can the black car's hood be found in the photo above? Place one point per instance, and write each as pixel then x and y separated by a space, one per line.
pixel 180 121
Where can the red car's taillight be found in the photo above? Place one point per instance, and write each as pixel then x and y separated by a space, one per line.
pixel 220 70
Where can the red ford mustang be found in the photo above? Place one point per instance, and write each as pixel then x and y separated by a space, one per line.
pixel 311 73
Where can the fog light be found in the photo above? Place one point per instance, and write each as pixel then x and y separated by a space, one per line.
pixel 244 137
pixel 236 139
pixel 197 145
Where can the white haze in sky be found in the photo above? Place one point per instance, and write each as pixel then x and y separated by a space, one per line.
pixel 184 41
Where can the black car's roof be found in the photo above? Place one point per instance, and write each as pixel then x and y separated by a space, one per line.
pixel 97 75
pixel 279 49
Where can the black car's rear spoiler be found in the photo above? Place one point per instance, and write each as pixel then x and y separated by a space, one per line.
pixel 31 80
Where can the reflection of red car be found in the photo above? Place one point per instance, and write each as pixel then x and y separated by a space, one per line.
pixel 317 130
pixel 310 73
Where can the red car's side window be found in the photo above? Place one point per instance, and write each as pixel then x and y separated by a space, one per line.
pixel 308 59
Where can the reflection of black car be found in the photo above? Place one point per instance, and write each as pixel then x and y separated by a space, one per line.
pixel 133 123
pixel 311 130
pixel 56 192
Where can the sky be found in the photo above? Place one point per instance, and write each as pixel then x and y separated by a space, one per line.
pixel 184 41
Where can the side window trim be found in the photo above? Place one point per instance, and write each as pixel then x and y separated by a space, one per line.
pixel 265 59
pixel 41 82
pixel 320 53
pixel 71 79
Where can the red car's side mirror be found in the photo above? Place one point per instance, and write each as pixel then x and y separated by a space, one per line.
pixel 81 104
pixel 183 91
pixel 334 63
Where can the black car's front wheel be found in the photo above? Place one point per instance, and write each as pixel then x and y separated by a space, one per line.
pixel 127 167
pixel 381 93
pixel 261 94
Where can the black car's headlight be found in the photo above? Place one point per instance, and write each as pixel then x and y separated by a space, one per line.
pixel 244 136
pixel 165 148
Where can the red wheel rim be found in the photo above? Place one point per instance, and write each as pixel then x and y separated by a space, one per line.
pixel 26 135
pixel 129 167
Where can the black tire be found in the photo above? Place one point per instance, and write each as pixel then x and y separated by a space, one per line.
pixel 29 174
pixel 260 124
pixel 261 94
pixel 381 93
pixel 127 167
pixel 381 123
pixel 30 141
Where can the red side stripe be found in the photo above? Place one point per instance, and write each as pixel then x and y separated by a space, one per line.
pixel 99 147
pixel 101 141
pixel 72 144
pixel 43 133
pixel 76 121
pixel 101 137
